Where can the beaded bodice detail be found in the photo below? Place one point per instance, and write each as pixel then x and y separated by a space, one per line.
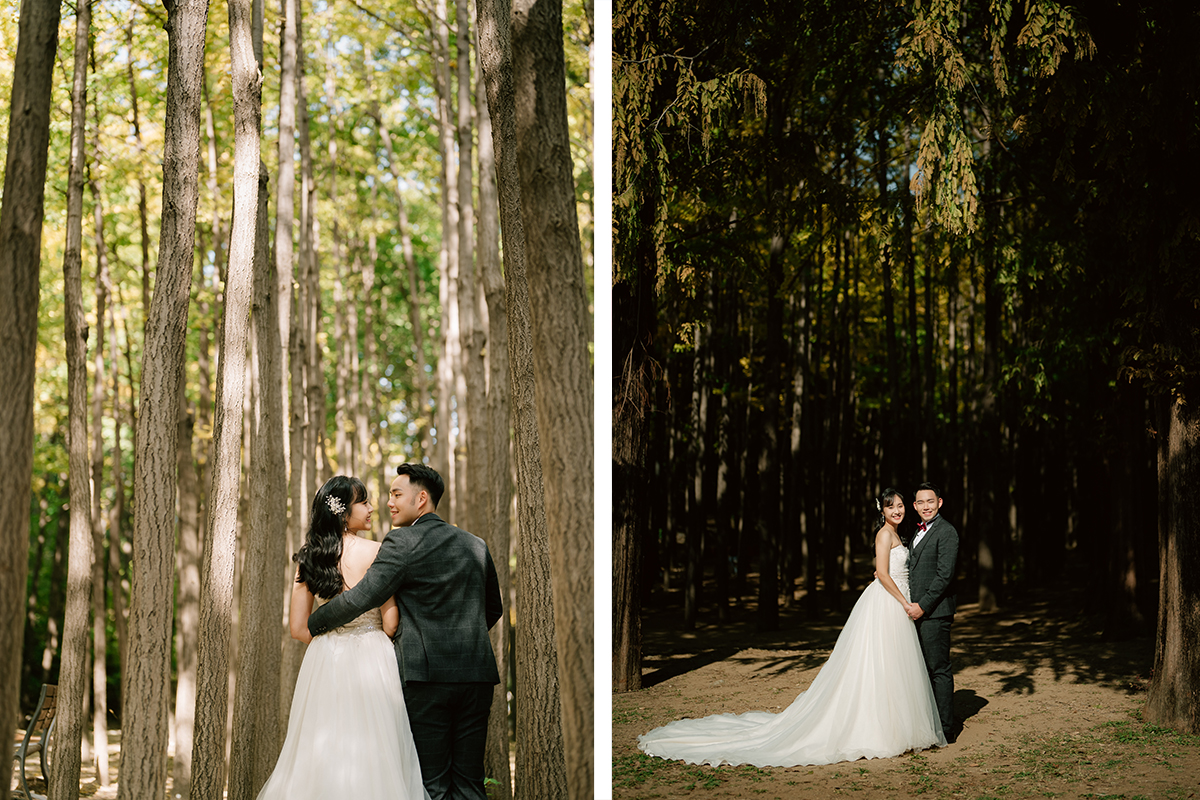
pixel 368 621
pixel 898 569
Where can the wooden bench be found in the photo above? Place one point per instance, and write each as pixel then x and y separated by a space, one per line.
pixel 41 725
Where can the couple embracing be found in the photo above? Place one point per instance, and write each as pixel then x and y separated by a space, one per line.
pixel 370 719
pixel 887 687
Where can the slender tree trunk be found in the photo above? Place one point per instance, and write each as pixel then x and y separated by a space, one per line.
pixel 290 311
pixel 1172 697
pixel 143 216
pixel 187 605
pixel 256 717
pixel 72 678
pixel 473 400
pixel 21 214
pixel 220 541
pixel 99 621
pixel 561 330
pixel 541 765
pixel 145 678
pixel 444 456
pixel 497 437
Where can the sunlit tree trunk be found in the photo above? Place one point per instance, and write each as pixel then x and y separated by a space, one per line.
pixel 541 767
pixel 290 305
pixel 145 677
pixel 21 214
pixel 561 327
pixel 72 677
pixel 256 738
pixel 445 459
pixel 497 438
pixel 472 401
pixel 99 621
pixel 1173 697
pixel 143 215
pixel 220 542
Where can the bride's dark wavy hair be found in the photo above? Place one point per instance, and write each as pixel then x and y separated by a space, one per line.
pixel 322 551
pixel 883 501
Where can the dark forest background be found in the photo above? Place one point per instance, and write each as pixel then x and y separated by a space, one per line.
pixel 866 244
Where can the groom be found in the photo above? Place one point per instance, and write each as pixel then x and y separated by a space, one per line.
pixel 445 584
pixel 932 566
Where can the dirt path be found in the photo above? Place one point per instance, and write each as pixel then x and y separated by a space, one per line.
pixel 1050 710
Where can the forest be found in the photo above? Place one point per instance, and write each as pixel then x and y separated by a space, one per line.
pixel 861 245
pixel 247 247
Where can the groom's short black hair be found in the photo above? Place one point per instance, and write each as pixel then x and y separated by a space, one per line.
pixel 425 477
pixel 927 486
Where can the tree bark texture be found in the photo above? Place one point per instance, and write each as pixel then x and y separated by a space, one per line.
pixel 256 740
pixel 1173 697
pixel 72 677
pixel 21 216
pixel 99 619
pixel 561 327
pixel 541 766
pixel 145 677
pixel 496 433
pixel 220 543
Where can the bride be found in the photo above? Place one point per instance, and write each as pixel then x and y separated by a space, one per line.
pixel 348 733
pixel 872 699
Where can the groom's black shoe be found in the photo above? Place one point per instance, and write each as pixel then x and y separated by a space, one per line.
pixel 952 734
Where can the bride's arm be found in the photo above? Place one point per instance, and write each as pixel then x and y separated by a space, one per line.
pixel 883 558
pixel 391 616
pixel 301 607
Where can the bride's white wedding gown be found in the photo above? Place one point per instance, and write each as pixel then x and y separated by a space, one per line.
pixel 872 699
pixel 348 733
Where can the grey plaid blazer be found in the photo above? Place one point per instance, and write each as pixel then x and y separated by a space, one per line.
pixel 446 588
pixel 932 566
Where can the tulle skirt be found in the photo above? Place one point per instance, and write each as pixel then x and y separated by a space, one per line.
pixel 348 733
pixel 871 699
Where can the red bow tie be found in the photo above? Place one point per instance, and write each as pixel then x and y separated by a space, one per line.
pixel 922 527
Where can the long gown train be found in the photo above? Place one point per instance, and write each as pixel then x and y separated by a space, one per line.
pixel 871 699
pixel 348 733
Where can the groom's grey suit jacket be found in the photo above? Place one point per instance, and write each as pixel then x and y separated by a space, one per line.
pixel 932 565
pixel 445 585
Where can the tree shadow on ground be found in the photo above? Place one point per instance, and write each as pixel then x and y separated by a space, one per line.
pixel 1037 635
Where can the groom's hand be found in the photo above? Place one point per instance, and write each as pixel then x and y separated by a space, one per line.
pixel 915 612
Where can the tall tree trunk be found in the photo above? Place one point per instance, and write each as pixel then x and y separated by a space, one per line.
pixel 21 214
pixel 562 367
pixel 496 433
pixel 145 678
pixel 99 620
pixel 220 541
pixel 187 604
pixel 1171 698
pixel 72 677
pixel 444 457
pixel 472 401
pixel 291 303
pixel 256 739
pixel 541 766
pixel 143 216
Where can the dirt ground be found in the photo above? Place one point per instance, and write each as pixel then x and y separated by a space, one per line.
pixel 1050 709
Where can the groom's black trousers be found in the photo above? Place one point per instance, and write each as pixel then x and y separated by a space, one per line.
pixel 934 634
pixel 449 725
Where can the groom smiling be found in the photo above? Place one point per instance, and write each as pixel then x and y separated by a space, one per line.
pixel 445 585
pixel 932 566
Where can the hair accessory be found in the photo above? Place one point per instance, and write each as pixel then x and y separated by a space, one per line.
pixel 878 507
pixel 335 505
